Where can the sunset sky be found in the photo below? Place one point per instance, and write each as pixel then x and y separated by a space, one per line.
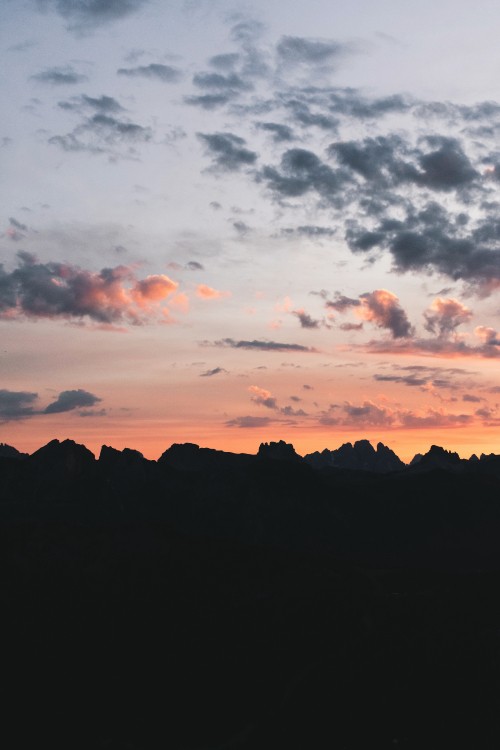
pixel 228 223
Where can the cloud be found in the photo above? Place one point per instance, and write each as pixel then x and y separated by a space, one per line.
pixel 447 167
pixel 433 239
pixel 154 71
pixel 444 315
pixel 310 231
pixel 207 292
pixel 434 418
pixel 263 397
pixel 410 380
pixel 341 303
pixel 152 289
pixel 59 76
pixel 470 398
pixel 302 171
pixel 225 61
pixel 231 82
pixel 241 228
pixel 488 335
pixel 103 134
pixel 69 400
pixel 16 404
pixel 103 104
pixel 16 230
pixel 263 346
pixel 60 290
pixel 280 133
pixel 211 373
pixel 228 151
pixel 382 308
pixel 210 101
pixel 368 413
pixel 294 50
pixel 302 116
pixel 439 347
pixel 193 265
pixel 306 321
pixel 93 413
pixel 351 326
pixel 249 422
pixel 86 15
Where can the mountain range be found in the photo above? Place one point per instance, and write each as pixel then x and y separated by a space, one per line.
pixel 213 600
pixel 73 459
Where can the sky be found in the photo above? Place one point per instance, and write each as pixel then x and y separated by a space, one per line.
pixel 228 223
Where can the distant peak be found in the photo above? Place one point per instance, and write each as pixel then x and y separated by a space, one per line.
pixel 278 451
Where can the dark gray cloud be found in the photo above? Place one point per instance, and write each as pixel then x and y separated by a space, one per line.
pixel 263 346
pixel 289 411
pixel 375 159
pixel 341 303
pixel 351 103
pixel 225 61
pixel 102 104
pixel 294 50
pixel 249 422
pixel 368 413
pixel 242 228
pixel 153 71
pixel 305 118
pixel 69 400
pixel 410 380
pixel 17 224
pixel 93 413
pixel 309 230
pixel 16 230
pixel 193 265
pixel 228 151
pixel 280 133
pixel 437 347
pixel 219 82
pixel 470 398
pixel 104 134
pixel 211 373
pixel 86 15
pixel 306 320
pixel 246 31
pixel 59 76
pixel 210 101
pixel 16 404
pixel 447 167
pixel 302 171
pixel 434 239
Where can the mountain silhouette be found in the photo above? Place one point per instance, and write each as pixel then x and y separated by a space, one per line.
pixel 358 457
pixel 213 599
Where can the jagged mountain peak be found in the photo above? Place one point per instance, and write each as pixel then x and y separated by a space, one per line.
pixel 361 456
pixel 278 451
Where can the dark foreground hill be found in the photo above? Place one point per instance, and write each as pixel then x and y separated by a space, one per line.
pixel 214 600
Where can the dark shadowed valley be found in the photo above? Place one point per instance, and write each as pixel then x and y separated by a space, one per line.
pixel 216 600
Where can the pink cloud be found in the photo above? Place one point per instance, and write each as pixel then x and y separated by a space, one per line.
pixel 207 292
pixel 60 290
pixel 443 316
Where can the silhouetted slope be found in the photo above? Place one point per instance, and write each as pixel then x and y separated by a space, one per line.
pixel 190 457
pixel 214 600
pixel 438 458
pixel 8 451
